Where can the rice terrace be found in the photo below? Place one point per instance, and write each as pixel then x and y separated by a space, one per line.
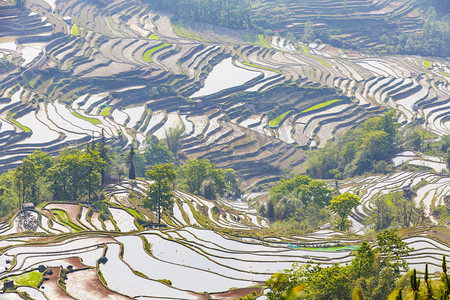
pixel 224 149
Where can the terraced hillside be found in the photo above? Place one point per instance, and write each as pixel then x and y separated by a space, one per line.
pixel 132 73
pixel 57 249
pixel 338 18
pixel 430 194
pixel 79 68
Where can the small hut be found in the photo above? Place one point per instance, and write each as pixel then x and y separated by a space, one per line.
pixel 111 179
pixel 8 285
pixel 28 206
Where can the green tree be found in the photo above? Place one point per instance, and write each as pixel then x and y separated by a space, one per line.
pixel 104 153
pixel 405 210
pixel 358 150
pixel 333 283
pixel 8 201
pixel 74 174
pixel 364 263
pixel 384 214
pixel 391 251
pixel 283 285
pixel 26 181
pixel 42 161
pixel 130 161
pixel 304 189
pixel 415 284
pixel 232 182
pixel 308 32
pixel 159 193
pixel 194 173
pixel 270 210
pixel 174 139
pixel 445 278
pixel 8 197
pixel 343 205
pixel 448 159
pixel 445 143
pixel 311 282
pixel 155 152
pixel 19 185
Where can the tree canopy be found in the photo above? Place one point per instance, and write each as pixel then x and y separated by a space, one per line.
pixel 159 193
pixel 228 13
pixel 201 177
pixel 343 205
pixel 368 276
pixel 292 196
pixel 364 149
pixel 75 173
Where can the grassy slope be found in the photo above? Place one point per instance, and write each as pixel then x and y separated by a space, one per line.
pixel 25 128
pixel 320 105
pixel 148 54
pixel 277 120
pixel 91 120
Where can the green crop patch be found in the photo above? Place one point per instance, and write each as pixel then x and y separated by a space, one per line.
pixel 65 219
pixel 32 278
pixel 91 120
pixel 180 29
pixel 275 122
pixel 105 111
pixel 148 54
pixel 443 73
pixel 427 64
pixel 305 49
pixel 319 59
pixel 153 37
pixel 75 30
pixel 25 128
pixel 320 105
pixel 260 67
pixel 263 42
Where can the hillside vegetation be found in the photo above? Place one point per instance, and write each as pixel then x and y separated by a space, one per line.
pixel 224 149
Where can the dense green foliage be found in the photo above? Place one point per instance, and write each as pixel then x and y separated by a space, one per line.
pixel 174 139
pixel 343 205
pixel 131 166
pixel 159 193
pixel 229 13
pixel 201 177
pixel 394 210
pixel 301 199
pixel 8 196
pixel 364 149
pixel 153 152
pixel 433 40
pixel 75 173
pixel 371 275
pixel 31 180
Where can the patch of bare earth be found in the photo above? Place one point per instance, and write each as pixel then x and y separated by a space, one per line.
pixel 85 284
pixel 71 209
pixel 50 287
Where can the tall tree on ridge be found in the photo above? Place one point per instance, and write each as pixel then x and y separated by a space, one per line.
pixel 131 170
pixel 159 193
